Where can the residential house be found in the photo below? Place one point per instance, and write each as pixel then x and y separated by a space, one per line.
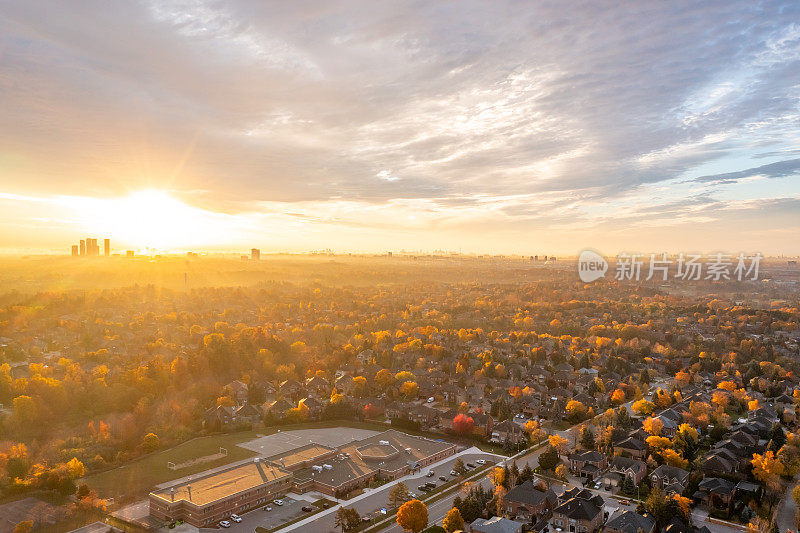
pixel 587 463
pixel 238 390
pixel 526 501
pixel 577 515
pixel 625 467
pixel 508 431
pixel 495 524
pixel 714 492
pixel 630 522
pixel 669 479
pixel 631 447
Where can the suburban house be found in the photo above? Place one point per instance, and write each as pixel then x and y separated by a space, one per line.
pixel 625 467
pixel 669 478
pixel 630 522
pixel 714 492
pixel 495 524
pixel 587 463
pixel 526 502
pixel 631 447
pixel 577 515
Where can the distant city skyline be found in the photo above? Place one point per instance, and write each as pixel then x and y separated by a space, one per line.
pixel 493 128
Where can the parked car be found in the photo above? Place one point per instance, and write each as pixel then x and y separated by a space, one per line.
pixel 267 508
pixel 277 502
pixel 307 508
pixel 431 473
pixel 430 484
pixel 325 505
pixel 423 488
pixel 225 523
pixel 443 478
pixel 481 461
pixel 453 473
pixel 470 465
pixel 236 518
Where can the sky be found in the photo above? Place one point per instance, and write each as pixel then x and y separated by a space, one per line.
pixel 489 127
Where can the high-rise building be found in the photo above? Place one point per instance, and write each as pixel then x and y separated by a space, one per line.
pixel 107 247
pixel 74 250
pixel 83 247
pixel 255 254
pixel 91 248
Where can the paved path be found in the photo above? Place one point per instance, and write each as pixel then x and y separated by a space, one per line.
pixel 787 509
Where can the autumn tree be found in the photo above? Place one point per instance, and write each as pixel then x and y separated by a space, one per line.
pixel 463 424
pixel 559 443
pixel 653 426
pixel 413 516
pixel 453 521
pixel 643 407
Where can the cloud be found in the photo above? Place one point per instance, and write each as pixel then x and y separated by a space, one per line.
pixel 781 169
pixel 235 104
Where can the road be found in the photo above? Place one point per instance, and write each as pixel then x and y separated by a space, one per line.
pixel 787 510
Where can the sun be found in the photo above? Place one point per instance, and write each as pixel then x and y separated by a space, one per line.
pixel 153 218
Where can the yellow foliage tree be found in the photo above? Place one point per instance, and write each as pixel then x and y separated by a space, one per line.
pixel 653 426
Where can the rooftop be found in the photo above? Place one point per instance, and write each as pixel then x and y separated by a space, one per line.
pixel 221 484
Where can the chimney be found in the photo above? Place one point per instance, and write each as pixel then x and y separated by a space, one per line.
pixel 172 494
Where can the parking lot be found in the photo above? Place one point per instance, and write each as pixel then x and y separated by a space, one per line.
pixel 283 441
pixel 279 515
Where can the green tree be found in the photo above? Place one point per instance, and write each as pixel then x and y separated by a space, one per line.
pixel 399 494
pixel 549 459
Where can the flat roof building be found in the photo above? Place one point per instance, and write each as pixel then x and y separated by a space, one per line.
pixel 210 497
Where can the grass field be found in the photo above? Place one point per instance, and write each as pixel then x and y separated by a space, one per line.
pixel 134 480
pixel 139 477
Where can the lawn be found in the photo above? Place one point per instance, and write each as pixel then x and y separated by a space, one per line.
pixel 137 478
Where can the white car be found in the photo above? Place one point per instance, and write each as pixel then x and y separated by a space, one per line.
pixel 225 523
pixel 277 502
pixel 453 473
pixel 481 461
pixel 236 518
pixel 267 508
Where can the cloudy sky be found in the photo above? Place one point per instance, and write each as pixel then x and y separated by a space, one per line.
pixel 505 127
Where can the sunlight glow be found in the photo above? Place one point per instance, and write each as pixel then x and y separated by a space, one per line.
pixel 154 219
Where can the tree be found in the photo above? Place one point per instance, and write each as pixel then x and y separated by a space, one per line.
pixel 459 467
pixel 399 494
pixel 346 519
pixel 549 459
pixel 150 442
pixel 618 397
pixel 561 472
pixel 576 411
pixel 463 424
pixel 413 516
pixel 533 429
pixel 643 407
pixel 560 444
pixel 409 389
pixel 661 507
pixel 75 468
pixel 453 521
pixel 653 426
pixel 587 438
